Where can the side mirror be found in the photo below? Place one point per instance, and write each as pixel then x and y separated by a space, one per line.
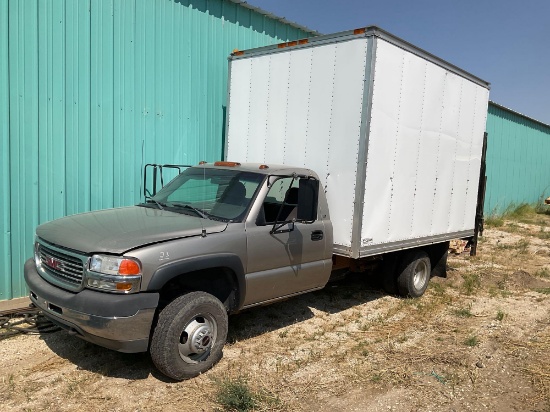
pixel 260 220
pixel 308 195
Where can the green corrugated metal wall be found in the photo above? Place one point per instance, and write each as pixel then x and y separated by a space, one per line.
pixel 518 160
pixel 91 90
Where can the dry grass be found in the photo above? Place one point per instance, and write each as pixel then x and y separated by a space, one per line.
pixel 540 369
pixel 478 339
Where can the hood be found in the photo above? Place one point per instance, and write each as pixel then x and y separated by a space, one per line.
pixel 122 229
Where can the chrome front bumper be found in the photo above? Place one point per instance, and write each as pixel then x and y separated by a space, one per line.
pixel 118 322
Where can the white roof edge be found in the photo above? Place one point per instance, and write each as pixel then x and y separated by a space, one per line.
pixel 275 17
pixel 518 113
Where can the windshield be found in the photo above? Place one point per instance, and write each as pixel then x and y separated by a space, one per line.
pixel 210 193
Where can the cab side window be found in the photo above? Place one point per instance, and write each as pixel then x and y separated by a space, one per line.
pixel 283 190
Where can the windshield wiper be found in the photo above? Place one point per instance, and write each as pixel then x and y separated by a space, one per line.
pixel 149 199
pixel 193 209
pixel 159 204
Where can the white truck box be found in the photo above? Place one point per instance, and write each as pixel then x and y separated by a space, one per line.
pixel 394 132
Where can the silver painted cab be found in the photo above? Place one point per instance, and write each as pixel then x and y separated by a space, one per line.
pixel 245 234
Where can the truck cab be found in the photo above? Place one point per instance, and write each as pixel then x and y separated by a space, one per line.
pixel 163 275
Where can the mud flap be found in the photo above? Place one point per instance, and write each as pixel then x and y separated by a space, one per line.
pixel 438 259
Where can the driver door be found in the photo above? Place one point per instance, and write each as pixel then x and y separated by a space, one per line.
pixel 289 261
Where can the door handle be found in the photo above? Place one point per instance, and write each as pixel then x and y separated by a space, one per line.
pixel 317 235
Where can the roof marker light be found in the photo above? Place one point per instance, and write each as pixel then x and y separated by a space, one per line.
pixel 262 167
pixel 227 164
pixel 202 162
pixel 237 52
pixel 359 31
pixel 303 41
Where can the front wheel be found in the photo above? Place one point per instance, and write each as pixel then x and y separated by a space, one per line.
pixel 414 275
pixel 189 336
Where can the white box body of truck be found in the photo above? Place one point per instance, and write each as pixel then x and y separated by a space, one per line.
pixel 395 133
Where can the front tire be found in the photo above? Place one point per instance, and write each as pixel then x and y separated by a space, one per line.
pixel 414 275
pixel 189 336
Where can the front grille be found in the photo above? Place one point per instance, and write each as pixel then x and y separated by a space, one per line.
pixel 66 269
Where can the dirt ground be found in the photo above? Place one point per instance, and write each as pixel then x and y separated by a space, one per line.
pixel 477 340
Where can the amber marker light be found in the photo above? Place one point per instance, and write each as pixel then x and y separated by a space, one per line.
pixel 262 167
pixel 303 41
pixel 359 31
pixel 123 286
pixel 129 267
pixel 227 164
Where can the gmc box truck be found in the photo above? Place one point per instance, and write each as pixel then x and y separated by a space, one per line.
pixel 343 151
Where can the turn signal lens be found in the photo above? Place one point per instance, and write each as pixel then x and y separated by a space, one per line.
pixel 128 267
pixel 124 286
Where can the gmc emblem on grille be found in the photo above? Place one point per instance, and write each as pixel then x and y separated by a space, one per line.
pixel 54 263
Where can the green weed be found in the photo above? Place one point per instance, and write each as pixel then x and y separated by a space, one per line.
pixel 235 395
pixel 362 348
pixel 543 234
pixel 543 273
pixel 512 227
pixel 500 316
pixel 494 221
pixel 463 312
pixel 437 288
pixel 376 377
pixel 522 211
pixel 472 281
pixel 471 341
pixel 541 208
pixel 522 246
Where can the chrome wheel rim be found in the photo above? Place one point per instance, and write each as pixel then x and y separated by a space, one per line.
pixel 420 275
pixel 197 338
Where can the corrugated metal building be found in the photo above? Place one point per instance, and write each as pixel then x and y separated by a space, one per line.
pixel 518 159
pixel 91 90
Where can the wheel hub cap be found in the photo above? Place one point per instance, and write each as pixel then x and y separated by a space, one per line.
pixel 197 338
pixel 201 339
pixel 420 275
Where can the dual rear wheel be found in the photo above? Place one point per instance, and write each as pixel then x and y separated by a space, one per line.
pixel 408 275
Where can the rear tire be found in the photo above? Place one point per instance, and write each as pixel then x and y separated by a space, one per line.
pixel 189 336
pixel 414 274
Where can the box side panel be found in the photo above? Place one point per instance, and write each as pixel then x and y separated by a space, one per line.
pixel 302 107
pixel 424 152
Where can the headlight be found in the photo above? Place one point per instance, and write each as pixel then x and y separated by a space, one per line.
pixel 115 274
